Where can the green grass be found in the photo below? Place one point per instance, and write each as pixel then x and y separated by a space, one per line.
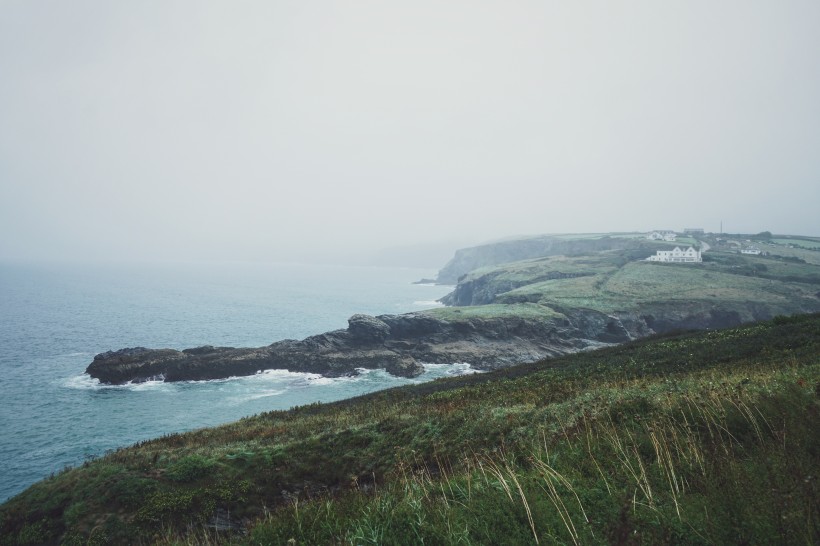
pixel 808 256
pixel 620 235
pixel 691 438
pixel 522 310
pixel 803 243
pixel 644 282
pixel 526 270
pixel 621 281
pixel 685 241
pixel 766 267
pixel 638 285
pixel 581 236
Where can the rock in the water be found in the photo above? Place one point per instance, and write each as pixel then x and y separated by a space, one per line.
pixel 405 367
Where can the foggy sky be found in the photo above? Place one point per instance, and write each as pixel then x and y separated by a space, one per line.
pixel 290 129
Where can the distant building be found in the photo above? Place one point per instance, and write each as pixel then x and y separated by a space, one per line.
pixel 750 250
pixel 693 231
pixel 690 255
pixel 662 236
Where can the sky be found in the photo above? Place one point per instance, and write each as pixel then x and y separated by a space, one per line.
pixel 309 130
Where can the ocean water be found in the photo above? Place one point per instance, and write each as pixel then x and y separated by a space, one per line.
pixel 54 319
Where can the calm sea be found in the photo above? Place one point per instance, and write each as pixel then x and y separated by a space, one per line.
pixel 54 319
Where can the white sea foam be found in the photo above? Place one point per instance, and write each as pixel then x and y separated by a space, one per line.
pixel 256 396
pixel 428 303
pixel 371 374
pixel 318 380
pixel 86 382
pixel 284 378
pixel 285 375
pixel 456 368
pixel 152 385
pixel 83 382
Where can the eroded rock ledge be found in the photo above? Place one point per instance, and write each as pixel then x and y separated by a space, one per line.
pixel 400 344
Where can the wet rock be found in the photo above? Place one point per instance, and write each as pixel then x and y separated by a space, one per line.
pixel 405 367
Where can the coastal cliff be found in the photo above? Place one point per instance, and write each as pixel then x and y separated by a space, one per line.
pixel 599 292
pixel 469 259
pixel 401 344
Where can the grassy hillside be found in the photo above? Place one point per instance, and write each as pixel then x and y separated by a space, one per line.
pixel 466 260
pixel 614 281
pixel 691 438
pixel 789 247
pixel 639 283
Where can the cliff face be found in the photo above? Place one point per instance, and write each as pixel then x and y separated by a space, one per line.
pixel 470 259
pixel 483 290
pixel 645 297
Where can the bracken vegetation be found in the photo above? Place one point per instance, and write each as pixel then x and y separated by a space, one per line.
pixel 687 438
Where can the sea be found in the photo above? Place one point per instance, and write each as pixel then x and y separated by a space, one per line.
pixel 55 318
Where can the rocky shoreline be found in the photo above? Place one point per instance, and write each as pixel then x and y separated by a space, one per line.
pixel 397 343
pixel 401 344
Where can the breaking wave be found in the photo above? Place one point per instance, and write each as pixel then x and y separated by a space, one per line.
pixel 428 303
pixel 88 383
pixel 450 370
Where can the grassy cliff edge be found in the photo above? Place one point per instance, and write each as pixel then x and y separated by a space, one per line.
pixel 695 438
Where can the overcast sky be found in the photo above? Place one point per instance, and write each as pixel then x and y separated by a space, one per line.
pixel 289 129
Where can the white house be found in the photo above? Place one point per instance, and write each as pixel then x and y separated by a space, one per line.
pixel 751 250
pixel 690 255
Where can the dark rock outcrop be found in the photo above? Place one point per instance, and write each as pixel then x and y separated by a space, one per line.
pixel 398 343
pixel 401 344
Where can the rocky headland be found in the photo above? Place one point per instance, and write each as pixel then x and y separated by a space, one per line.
pixel 397 343
pixel 401 344
pixel 577 295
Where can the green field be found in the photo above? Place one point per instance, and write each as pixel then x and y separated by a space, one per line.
pixel 527 270
pixel 696 438
pixel 804 243
pixel 613 281
pixel 686 241
pixel 522 310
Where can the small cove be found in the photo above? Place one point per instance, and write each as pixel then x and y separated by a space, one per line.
pixel 55 318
